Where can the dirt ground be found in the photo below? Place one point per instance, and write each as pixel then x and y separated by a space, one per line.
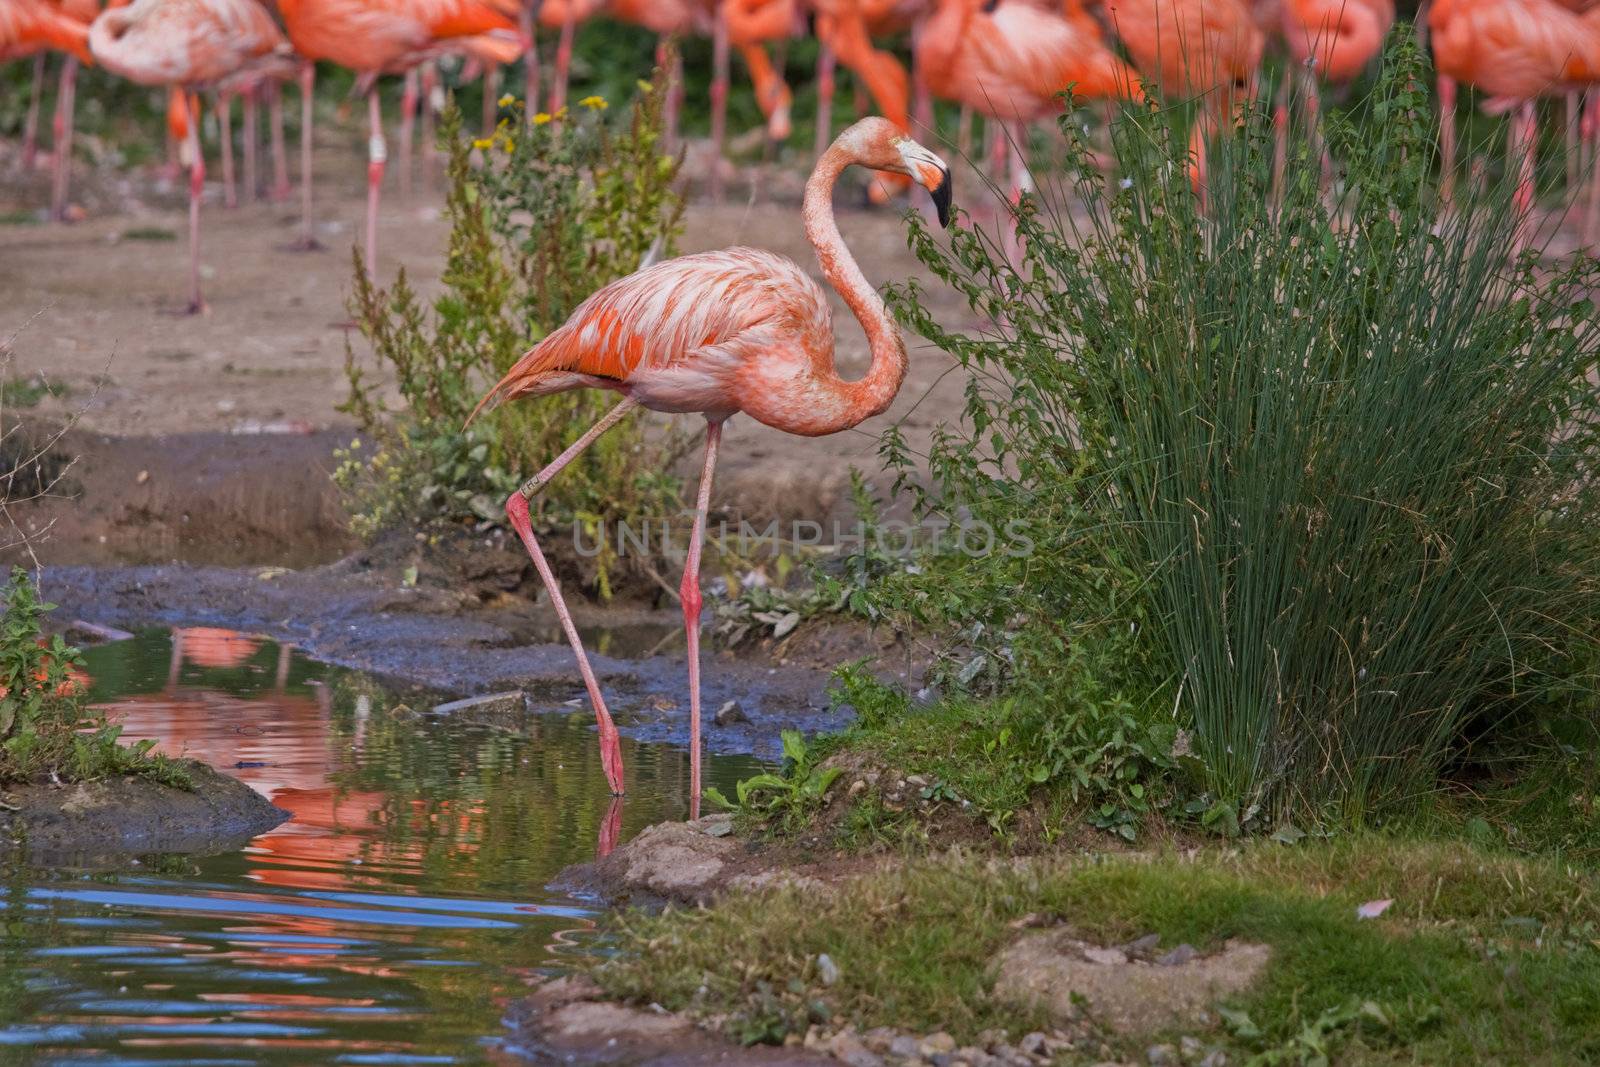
pixel 91 306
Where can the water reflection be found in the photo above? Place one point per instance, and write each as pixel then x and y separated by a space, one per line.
pixel 389 921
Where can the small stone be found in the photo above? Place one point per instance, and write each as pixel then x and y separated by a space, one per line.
pixel 1108 957
pixel 879 1039
pixel 848 1049
pixel 857 787
pixel 1190 1047
pixel 917 780
pixel 730 714
pixel 905 1047
pixel 936 1043
pixel 973 1056
pixel 1185 953
pixel 827 970
pixel 1143 947
pixel 1162 1056
pixel 1215 1058
pixel 1033 1044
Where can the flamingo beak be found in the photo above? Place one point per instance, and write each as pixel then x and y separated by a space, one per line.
pixel 941 198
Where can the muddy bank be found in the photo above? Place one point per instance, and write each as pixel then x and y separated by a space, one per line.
pixel 88 823
pixel 447 640
pixel 258 495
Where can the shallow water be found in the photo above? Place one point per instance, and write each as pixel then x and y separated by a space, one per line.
pixel 389 922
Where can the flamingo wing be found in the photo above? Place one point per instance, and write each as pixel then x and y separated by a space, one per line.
pixel 676 333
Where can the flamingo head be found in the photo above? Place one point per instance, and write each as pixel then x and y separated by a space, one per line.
pixel 879 144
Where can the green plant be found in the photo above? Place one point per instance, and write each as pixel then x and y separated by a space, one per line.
pixel 1309 472
pixel 787 798
pixel 559 207
pixel 46 728
pixel 1082 755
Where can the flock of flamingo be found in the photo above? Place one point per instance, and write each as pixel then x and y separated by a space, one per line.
pixel 743 330
pixel 1003 59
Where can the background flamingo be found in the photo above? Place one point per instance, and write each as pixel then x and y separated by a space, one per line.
pixel 32 28
pixel 1512 51
pixel 190 44
pixel 1009 64
pixel 1208 49
pixel 375 37
pixel 719 333
pixel 752 24
pixel 846 27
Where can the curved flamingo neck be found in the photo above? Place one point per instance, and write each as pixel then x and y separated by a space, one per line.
pixel 875 391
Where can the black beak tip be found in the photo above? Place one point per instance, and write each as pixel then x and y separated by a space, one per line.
pixel 941 201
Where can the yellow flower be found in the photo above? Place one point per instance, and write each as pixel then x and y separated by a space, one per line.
pixel 594 103
pixel 507 100
pixel 509 145
pixel 483 142
pixel 644 86
pixel 541 118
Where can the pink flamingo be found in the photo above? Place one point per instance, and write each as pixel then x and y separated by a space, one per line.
pixel 1512 51
pixel 190 44
pixel 1010 64
pixel 31 28
pixel 375 37
pixel 719 333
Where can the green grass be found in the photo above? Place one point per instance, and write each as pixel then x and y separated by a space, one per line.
pixel 26 392
pixel 149 233
pixel 48 731
pixel 1308 471
pixel 1482 958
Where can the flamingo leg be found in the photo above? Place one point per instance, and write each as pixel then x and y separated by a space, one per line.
pixel 251 136
pixel 408 118
pixel 197 185
pixel 1574 161
pixel 673 72
pixel 689 594
pixel 430 145
pixel 1522 148
pixel 517 512
pixel 827 67
pixel 1591 126
pixel 62 148
pixel 491 99
pixel 377 154
pixel 1447 138
pixel 308 237
pixel 280 159
pixel 569 29
pixel 30 125
pixel 530 61
pixel 719 99
pixel 224 107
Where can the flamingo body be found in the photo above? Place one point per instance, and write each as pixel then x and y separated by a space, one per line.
pixel 191 43
pixel 1515 49
pixel 1013 63
pixel 1337 38
pixel 28 27
pixel 392 36
pixel 1195 46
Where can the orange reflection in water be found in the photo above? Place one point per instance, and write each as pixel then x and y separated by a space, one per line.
pixel 281 744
